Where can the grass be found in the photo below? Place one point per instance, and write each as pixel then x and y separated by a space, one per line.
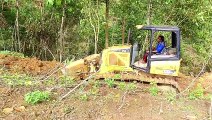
pixel 153 89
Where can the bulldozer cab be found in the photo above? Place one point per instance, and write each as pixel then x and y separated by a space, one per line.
pixel 129 57
pixel 165 62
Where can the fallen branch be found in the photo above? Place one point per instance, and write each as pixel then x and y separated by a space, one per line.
pixel 123 100
pixel 161 108
pixel 54 70
pixel 47 77
pixel 67 94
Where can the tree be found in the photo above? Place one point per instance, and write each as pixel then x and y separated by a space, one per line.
pixel 106 26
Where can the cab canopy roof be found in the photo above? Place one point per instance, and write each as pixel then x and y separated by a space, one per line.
pixel 158 28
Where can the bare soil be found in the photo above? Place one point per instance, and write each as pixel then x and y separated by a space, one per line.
pixel 106 104
pixel 31 66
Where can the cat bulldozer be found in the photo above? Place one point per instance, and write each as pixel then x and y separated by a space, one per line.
pixel 126 60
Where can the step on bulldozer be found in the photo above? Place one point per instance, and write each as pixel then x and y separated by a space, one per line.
pixel 127 60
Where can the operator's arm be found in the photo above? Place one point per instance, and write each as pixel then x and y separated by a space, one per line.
pixel 160 47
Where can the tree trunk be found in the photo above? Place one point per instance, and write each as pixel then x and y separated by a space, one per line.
pixel 17 35
pixel 2 5
pixel 97 27
pixel 149 13
pixel 123 30
pixel 149 22
pixel 94 27
pixel 129 36
pixel 61 33
pixel 106 27
pixel 94 21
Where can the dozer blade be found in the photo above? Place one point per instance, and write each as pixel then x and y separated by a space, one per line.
pixel 83 67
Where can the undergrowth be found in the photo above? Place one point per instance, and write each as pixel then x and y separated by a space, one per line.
pixel 153 89
pixel 37 97
pixel 28 80
pixel 197 93
pixel 66 80
pixel 110 82
pixel 170 96
pixel 95 87
pixel 84 97
pixel 15 54
pixel 18 80
pixel 127 87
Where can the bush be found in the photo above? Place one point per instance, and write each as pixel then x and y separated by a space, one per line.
pixel 36 97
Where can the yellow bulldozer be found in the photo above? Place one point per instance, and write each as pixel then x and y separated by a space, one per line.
pixel 125 60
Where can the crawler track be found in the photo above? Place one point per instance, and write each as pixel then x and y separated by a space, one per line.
pixel 179 83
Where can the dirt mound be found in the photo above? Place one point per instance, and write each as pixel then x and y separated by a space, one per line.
pixel 31 66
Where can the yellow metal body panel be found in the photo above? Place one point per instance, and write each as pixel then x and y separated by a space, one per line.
pixel 114 60
pixel 170 68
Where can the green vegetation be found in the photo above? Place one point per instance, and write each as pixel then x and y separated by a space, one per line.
pixel 197 93
pixel 132 86
pixel 50 82
pixel 66 80
pixel 18 80
pixel 97 84
pixel 95 87
pixel 68 109
pixel 28 80
pixel 122 86
pixel 127 87
pixel 117 76
pixel 153 89
pixel 36 97
pixel 11 53
pixel 110 82
pixel 83 97
pixel 170 96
